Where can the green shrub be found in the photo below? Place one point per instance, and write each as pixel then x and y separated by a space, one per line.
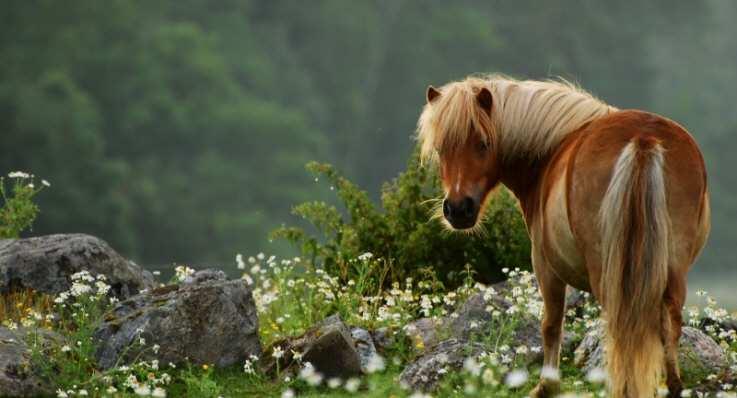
pixel 18 211
pixel 403 232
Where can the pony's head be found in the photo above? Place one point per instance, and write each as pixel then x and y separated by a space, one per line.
pixel 457 130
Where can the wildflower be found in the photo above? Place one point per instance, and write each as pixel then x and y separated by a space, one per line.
pixel 102 288
pixel 278 352
pixel 79 288
pixel 156 348
pixel 66 348
pixel 366 256
pixel 352 384
pixel 182 272
pixel 239 261
pixel 596 375
pixel 334 382
pixel 309 375
pixel 516 378
pixel 248 367
pixel 472 366
pixel 142 390
pixel 158 392
pixel 288 393
pixel 111 390
pixel 82 392
pixel 61 298
pixel 18 174
pixel 550 373
pixel 59 393
pixel 375 364
pixel 488 377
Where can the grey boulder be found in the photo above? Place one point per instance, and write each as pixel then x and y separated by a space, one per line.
pixel 426 371
pixel 473 321
pixel 698 354
pixel 210 322
pixel 18 378
pixel 46 263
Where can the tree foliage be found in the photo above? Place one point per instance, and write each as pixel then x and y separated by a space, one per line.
pixel 178 130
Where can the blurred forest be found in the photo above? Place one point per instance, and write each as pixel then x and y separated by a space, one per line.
pixel 179 130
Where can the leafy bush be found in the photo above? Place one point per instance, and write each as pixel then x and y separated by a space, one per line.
pixel 18 210
pixel 404 233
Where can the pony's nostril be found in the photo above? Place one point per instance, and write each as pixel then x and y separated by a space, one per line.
pixel 446 208
pixel 467 207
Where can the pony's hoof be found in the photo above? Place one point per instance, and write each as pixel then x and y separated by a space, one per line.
pixel 545 389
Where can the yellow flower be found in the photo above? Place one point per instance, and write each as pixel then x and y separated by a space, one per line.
pixel 205 367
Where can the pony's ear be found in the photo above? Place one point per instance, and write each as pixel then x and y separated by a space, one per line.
pixel 432 93
pixel 485 99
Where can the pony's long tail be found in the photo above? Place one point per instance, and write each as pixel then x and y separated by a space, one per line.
pixel 635 228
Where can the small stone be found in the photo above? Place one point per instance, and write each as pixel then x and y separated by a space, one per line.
pixel 365 347
pixel 333 353
pixel 329 347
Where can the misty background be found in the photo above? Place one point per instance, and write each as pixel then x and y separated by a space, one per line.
pixel 178 130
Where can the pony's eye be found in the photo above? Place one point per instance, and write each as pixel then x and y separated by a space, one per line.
pixel 482 147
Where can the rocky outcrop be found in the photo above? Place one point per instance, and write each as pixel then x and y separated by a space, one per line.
pixel 207 320
pixel 446 342
pixel 330 348
pixel 18 378
pixel 442 338
pixel 698 354
pixel 448 356
pixel 45 264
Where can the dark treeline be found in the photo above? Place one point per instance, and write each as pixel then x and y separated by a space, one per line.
pixel 178 130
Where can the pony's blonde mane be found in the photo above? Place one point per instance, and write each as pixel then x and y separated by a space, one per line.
pixel 528 119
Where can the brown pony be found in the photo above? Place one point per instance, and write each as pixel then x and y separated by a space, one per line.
pixel 615 202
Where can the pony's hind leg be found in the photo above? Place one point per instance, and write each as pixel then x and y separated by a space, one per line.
pixel 553 291
pixel 675 296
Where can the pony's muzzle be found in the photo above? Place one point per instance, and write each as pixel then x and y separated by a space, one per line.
pixel 461 214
